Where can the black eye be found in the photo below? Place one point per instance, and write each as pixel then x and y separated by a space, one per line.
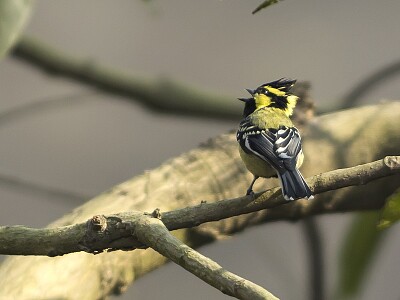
pixel 262 90
pixel 266 92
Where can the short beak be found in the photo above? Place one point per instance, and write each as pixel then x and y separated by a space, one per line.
pixel 244 99
pixel 252 92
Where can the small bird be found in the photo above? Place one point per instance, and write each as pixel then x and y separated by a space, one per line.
pixel 269 144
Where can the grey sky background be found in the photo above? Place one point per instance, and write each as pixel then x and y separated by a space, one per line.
pixel 95 140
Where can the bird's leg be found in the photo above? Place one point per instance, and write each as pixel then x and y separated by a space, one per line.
pixel 250 189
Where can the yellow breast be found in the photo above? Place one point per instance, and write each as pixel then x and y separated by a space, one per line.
pixel 261 168
pixel 256 166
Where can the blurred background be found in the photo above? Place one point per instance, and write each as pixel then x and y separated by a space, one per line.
pixel 64 142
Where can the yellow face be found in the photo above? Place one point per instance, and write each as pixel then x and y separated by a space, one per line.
pixel 287 102
pixel 291 104
pixel 262 100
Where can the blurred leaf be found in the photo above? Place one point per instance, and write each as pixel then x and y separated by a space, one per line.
pixel 358 250
pixel 390 213
pixel 13 16
pixel 265 4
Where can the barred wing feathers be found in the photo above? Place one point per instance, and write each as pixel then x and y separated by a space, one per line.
pixel 280 148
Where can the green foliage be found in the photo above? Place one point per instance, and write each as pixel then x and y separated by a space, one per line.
pixel 360 245
pixel 13 16
pixel 265 4
pixel 391 211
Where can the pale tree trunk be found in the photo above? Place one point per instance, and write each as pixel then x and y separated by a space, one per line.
pixel 209 173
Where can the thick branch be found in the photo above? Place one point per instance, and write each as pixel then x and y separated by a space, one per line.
pixel 139 229
pixel 114 232
pixel 210 172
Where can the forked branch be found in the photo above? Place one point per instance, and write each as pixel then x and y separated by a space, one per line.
pixel 115 231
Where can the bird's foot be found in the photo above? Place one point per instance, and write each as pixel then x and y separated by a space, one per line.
pixel 250 192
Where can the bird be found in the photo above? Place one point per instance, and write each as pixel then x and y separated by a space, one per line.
pixel 269 143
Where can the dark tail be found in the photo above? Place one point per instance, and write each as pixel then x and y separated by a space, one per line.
pixel 294 186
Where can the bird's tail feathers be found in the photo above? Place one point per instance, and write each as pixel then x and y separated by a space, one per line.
pixel 294 186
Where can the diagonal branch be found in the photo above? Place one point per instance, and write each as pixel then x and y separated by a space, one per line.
pixel 114 232
pixel 160 95
pixel 164 94
pixel 152 232
pixel 368 84
pixel 338 140
pixel 264 4
pixel 21 184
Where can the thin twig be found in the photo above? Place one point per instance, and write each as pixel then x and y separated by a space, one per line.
pixel 332 180
pixel 91 237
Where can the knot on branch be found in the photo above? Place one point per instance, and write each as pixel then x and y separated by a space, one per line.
pixel 156 214
pixel 109 233
pixel 97 223
pixel 393 162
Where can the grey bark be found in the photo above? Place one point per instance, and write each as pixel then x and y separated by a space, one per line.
pixel 211 172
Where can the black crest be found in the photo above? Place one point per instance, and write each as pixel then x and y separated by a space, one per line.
pixel 283 84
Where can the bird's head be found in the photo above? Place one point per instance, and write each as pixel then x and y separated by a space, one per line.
pixel 272 94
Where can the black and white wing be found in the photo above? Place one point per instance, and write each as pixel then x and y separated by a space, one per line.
pixel 279 147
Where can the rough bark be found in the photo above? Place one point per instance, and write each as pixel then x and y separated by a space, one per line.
pixel 211 172
pixel 153 232
pixel 115 232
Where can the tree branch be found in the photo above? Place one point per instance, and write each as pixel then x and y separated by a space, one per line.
pixel 114 232
pixel 152 232
pixel 21 184
pixel 264 4
pixel 18 112
pixel 210 172
pixel 353 97
pixel 312 236
pixel 164 94
pixel 160 95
